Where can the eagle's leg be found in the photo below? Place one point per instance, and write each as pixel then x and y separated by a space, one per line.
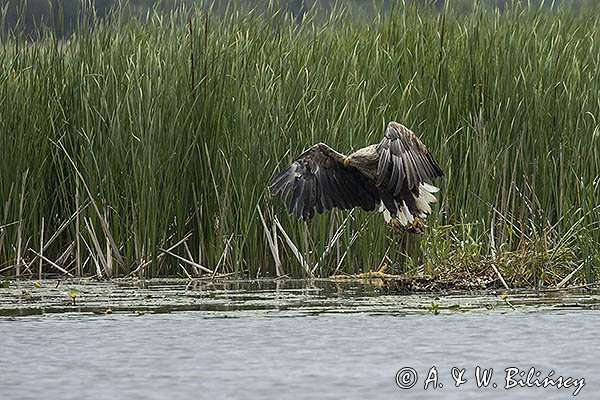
pixel 417 226
pixel 396 225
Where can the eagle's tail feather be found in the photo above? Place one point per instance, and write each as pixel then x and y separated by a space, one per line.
pixel 425 198
pixel 421 206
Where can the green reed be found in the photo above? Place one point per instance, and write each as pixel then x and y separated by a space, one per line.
pixel 143 145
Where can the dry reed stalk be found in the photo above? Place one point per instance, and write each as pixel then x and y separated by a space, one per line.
pixel 103 222
pixel 294 249
pixel 41 250
pixel 189 262
pixel 58 267
pixel 65 254
pixel 352 240
pixel 223 257
pixel 77 230
pixel 185 271
pixel 500 276
pixel 334 239
pixel 98 255
pixel 20 226
pixel 568 277
pixel 271 241
pixel 191 257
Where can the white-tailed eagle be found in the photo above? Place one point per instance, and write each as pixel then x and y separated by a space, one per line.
pixel 391 175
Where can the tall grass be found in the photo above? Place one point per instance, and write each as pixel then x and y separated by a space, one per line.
pixel 143 145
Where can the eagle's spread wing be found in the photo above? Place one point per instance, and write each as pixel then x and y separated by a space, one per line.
pixel 403 156
pixel 318 180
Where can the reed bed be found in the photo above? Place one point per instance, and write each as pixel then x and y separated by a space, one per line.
pixel 142 145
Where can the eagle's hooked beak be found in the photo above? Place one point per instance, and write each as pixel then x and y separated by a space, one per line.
pixel 346 162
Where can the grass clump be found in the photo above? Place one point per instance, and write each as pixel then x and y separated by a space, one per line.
pixel 142 145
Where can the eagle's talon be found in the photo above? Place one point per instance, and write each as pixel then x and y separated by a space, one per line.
pixel 396 225
pixel 417 226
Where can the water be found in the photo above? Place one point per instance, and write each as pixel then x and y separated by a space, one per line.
pixel 297 342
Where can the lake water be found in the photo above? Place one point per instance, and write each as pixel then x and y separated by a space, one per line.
pixel 303 342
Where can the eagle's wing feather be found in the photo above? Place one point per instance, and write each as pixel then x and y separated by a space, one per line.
pixel 403 156
pixel 318 180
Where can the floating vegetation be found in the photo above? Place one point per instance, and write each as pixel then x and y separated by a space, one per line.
pixel 141 146
pixel 284 297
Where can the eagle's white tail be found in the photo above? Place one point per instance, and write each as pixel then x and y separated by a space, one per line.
pixel 422 202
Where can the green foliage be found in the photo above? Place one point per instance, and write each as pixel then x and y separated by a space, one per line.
pixel 137 133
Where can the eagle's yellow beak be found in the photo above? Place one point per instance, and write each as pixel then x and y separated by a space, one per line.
pixel 346 161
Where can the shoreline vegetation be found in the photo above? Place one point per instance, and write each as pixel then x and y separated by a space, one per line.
pixel 141 146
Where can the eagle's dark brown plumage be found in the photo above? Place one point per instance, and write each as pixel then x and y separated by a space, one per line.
pixel 392 173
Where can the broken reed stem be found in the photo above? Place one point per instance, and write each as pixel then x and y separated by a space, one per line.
pixel 191 257
pixel 500 276
pixel 187 274
pixel 568 277
pixel 109 258
pixel 294 249
pixel 41 250
pixel 334 239
pixel 272 242
pixel 177 256
pixel 352 240
pixel 103 223
pixel 58 267
pixel 223 257
pixel 143 264
pixel 77 230
pixel 98 248
pixel 20 227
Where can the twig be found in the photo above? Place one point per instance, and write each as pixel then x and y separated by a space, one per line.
pixel 61 228
pixel 63 257
pixel 58 267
